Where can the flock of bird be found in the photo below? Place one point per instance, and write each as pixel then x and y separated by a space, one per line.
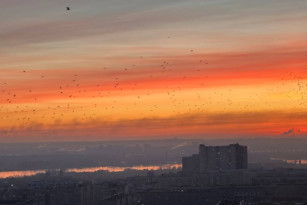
pixel 30 104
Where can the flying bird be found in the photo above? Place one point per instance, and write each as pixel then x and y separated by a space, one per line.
pixel 67 8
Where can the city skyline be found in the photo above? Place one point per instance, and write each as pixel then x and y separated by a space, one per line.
pixel 136 69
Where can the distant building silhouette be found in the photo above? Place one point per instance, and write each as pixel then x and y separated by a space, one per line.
pixel 215 158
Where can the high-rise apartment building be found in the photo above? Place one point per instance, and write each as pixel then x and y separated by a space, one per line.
pixel 215 158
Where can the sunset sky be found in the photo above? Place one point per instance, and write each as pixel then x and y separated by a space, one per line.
pixel 149 69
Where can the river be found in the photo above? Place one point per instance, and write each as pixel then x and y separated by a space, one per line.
pixel 24 173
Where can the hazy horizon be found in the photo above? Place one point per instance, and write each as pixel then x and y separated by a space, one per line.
pixel 71 139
